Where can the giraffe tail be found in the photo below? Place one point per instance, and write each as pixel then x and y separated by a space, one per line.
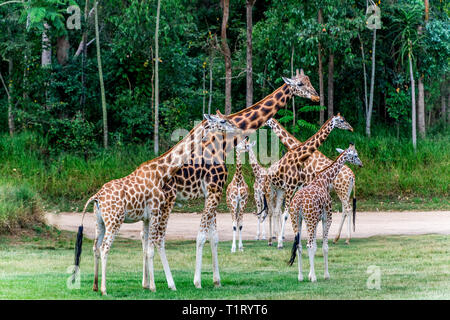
pixel 294 249
pixel 79 243
pixel 265 208
pixel 354 207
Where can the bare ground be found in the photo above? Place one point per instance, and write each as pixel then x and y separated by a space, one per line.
pixel 184 226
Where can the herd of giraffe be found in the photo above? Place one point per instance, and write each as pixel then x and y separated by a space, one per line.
pixel 195 167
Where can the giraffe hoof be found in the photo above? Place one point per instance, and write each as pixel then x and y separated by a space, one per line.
pixel 270 244
pixel 326 276
pixel 217 284
pixel 104 293
pixel 152 289
pixel 300 278
pixel 347 242
pixel 173 288
pixel 198 285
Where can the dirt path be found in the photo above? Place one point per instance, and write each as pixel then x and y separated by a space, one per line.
pixel 184 226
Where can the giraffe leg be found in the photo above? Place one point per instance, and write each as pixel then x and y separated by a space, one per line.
pixel 344 214
pixel 259 208
pixel 208 216
pixel 214 241
pixel 288 197
pixel 312 247
pixel 99 234
pixel 110 234
pixel 233 243
pixel 165 263
pixel 299 248
pixel 241 246
pixel 145 249
pixel 326 223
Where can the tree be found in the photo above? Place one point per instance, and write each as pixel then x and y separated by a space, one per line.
pixel 100 77
pixel 156 139
pixel 420 85
pixel 321 88
pixel 225 4
pixel 249 95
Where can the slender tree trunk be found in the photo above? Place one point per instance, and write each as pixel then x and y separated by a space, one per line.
pixel 83 58
pixel 204 91
pixel 365 76
pixel 100 76
pixel 62 50
pixel 421 107
pixel 10 106
pixel 156 144
pixel 330 85
pixel 321 89
pixel 292 75
pixel 444 102
pixel 211 60
pixel 249 97
pixel 46 58
pixel 413 103
pixel 227 54
pixel 372 83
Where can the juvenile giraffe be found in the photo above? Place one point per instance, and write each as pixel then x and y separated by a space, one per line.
pixel 138 197
pixel 313 203
pixel 287 174
pixel 205 176
pixel 237 195
pixel 342 184
pixel 260 174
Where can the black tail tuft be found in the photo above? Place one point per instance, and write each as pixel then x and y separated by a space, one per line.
pixel 78 249
pixel 265 207
pixel 354 214
pixel 294 249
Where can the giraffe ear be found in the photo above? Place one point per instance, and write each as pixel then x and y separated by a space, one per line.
pixel 207 117
pixel 339 150
pixel 301 72
pixel 252 144
pixel 288 81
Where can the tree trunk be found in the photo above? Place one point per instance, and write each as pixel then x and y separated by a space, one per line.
pixel 321 89
pixel 211 60
pixel 249 98
pixel 372 83
pixel 204 91
pixel 292 76
pixel 83 58
pixel 421 107
pixel 330 85
pixel 62 50
pixel 227 54
pixel 46 58
pixel 100 76
pixel 444 102
pixel 156 143
pixel 413 103
pixel 365 76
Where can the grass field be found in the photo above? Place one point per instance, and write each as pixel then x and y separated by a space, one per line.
pixel 34 265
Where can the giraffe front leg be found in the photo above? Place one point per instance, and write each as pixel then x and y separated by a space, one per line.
pixel 348 212
pixel 326 223
pixel 233 242
pixel 165 263
pixel 241 246
pixel 340 225
pixel 288 197
pixel 300 249
pixel 214 241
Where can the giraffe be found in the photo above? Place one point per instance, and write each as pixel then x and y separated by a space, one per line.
pixel 313 203
pixel 287 174
pixel 342 184
pixel 260 174
pixel 138 197
pixel 206 178
pixel 237 195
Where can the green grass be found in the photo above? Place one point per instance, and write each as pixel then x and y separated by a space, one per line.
pixel 33 266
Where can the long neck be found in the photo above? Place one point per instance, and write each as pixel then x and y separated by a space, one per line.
pixel 254 162
pixel 287 139
pixel 329 173
pixel 307 148
pixel 238 173
pixel 255 116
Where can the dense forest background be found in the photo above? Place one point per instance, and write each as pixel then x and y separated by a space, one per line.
pixel 77 110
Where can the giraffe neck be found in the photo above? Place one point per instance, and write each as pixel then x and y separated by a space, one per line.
pixel 307 148
pixel 254 162
pixel 286 138
pixel 329 173
pixel 238 174
pixel 255 116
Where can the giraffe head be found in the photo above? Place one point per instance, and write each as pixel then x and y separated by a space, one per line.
pixel 219 122
pixel 245 145
pixel 338 121
pixel 301 86
pixel 351 155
